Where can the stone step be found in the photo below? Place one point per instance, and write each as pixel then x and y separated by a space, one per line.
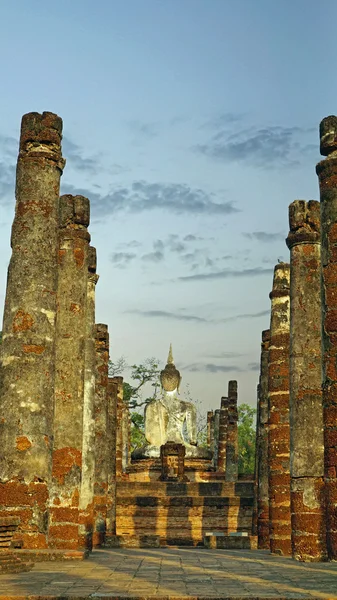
pixel 189 502
pixel 168 489
pixel 228 542
pixel 139 522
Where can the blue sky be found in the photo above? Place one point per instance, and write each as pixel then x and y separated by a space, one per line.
pixel 191 125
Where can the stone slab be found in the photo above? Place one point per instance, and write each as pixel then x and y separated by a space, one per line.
pixel 183 573
pixel 231 542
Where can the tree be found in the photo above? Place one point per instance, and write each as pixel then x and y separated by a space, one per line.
pixel 137 431
pixel 246 438
pixel 145 373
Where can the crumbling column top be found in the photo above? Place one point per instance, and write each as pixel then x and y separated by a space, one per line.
pixel 328 135
pixel 41 136
pixel 281 281
pixel 266 335
pixel 304 223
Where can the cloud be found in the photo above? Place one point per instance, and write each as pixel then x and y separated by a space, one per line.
pixel 264 236
pixel 223 120
pixel 177 198
pixel 122 259
pixel 267 147
pixel 7 183
pixel 254 366
pixel 146 130
pixel 226 355
pixel 75 159
pixel 186 317
pixel 131 244
pixel 167 315
pixel 212 368
pixel 156 256
pixel 227 273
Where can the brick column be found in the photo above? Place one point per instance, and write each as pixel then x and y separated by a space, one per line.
pixel 112 390
pixel 262 447
pixel 223 426
pixel 101 437
pixel 216 438
pixel 306 411
pixel 327 174
pixel 69 377
pixel 278 408
pixel 126 427
pixel 232 456
pixel 88 452
pixel 209 427
pixel 119 414
pixel 28 342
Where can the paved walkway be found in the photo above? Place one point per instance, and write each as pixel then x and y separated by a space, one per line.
pixel 141 573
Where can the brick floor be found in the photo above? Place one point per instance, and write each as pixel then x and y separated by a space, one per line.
pixel 183 572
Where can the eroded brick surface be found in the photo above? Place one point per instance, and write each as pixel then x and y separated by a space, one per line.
pixel 278 412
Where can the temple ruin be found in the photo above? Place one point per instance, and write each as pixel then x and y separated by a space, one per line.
pixel 69 482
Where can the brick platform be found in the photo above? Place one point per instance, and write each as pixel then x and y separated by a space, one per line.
pixel 175 573
pixel 181 513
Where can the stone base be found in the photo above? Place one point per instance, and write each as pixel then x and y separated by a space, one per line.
pixel 230 542
pixel 50 555
pixel 149 451
pixel 11 563
pixel 133 541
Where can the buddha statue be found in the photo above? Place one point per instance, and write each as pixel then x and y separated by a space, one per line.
pixel 170 419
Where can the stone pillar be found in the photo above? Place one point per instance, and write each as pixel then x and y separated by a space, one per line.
pixel 112 390
pixel 125 436
pixel 306 410
pixel 101 436
pixel 278 408
pixel 232 455
pixel 88 452
pixel 216 438
pixel 28 331
pixel 262 447
pixel 119 419
pixel 69 376
pixel 223 426
pixel 327 174
pixel 209 427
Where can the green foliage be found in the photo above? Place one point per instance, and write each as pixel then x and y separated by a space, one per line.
pixel 145 373
pixel 246 436
pixel 137 431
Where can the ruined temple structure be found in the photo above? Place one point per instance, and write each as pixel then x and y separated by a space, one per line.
pixel 296 454
pixel 175 492
pixel 68 482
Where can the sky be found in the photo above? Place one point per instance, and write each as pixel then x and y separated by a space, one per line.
pixel 191 125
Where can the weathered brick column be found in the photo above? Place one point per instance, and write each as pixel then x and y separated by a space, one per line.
pixel 88 452
pixel 112 391
pixel 65 517
pixel 28 342
pixel 327 174
pixel 209 427
pixel 101 436
pixel 232 455
pixel 262 447
pixel 216 438
pixel 306 410
pixel 278 408
pixel 126 430
pixel 119 433
pixel 222 444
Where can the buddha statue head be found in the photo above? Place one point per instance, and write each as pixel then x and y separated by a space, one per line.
pixel 170 377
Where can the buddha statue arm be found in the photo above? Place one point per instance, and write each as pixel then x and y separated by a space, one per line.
pixel 191 424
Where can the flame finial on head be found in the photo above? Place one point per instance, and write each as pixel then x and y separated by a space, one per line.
pixel 170 360
pixel 170 377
